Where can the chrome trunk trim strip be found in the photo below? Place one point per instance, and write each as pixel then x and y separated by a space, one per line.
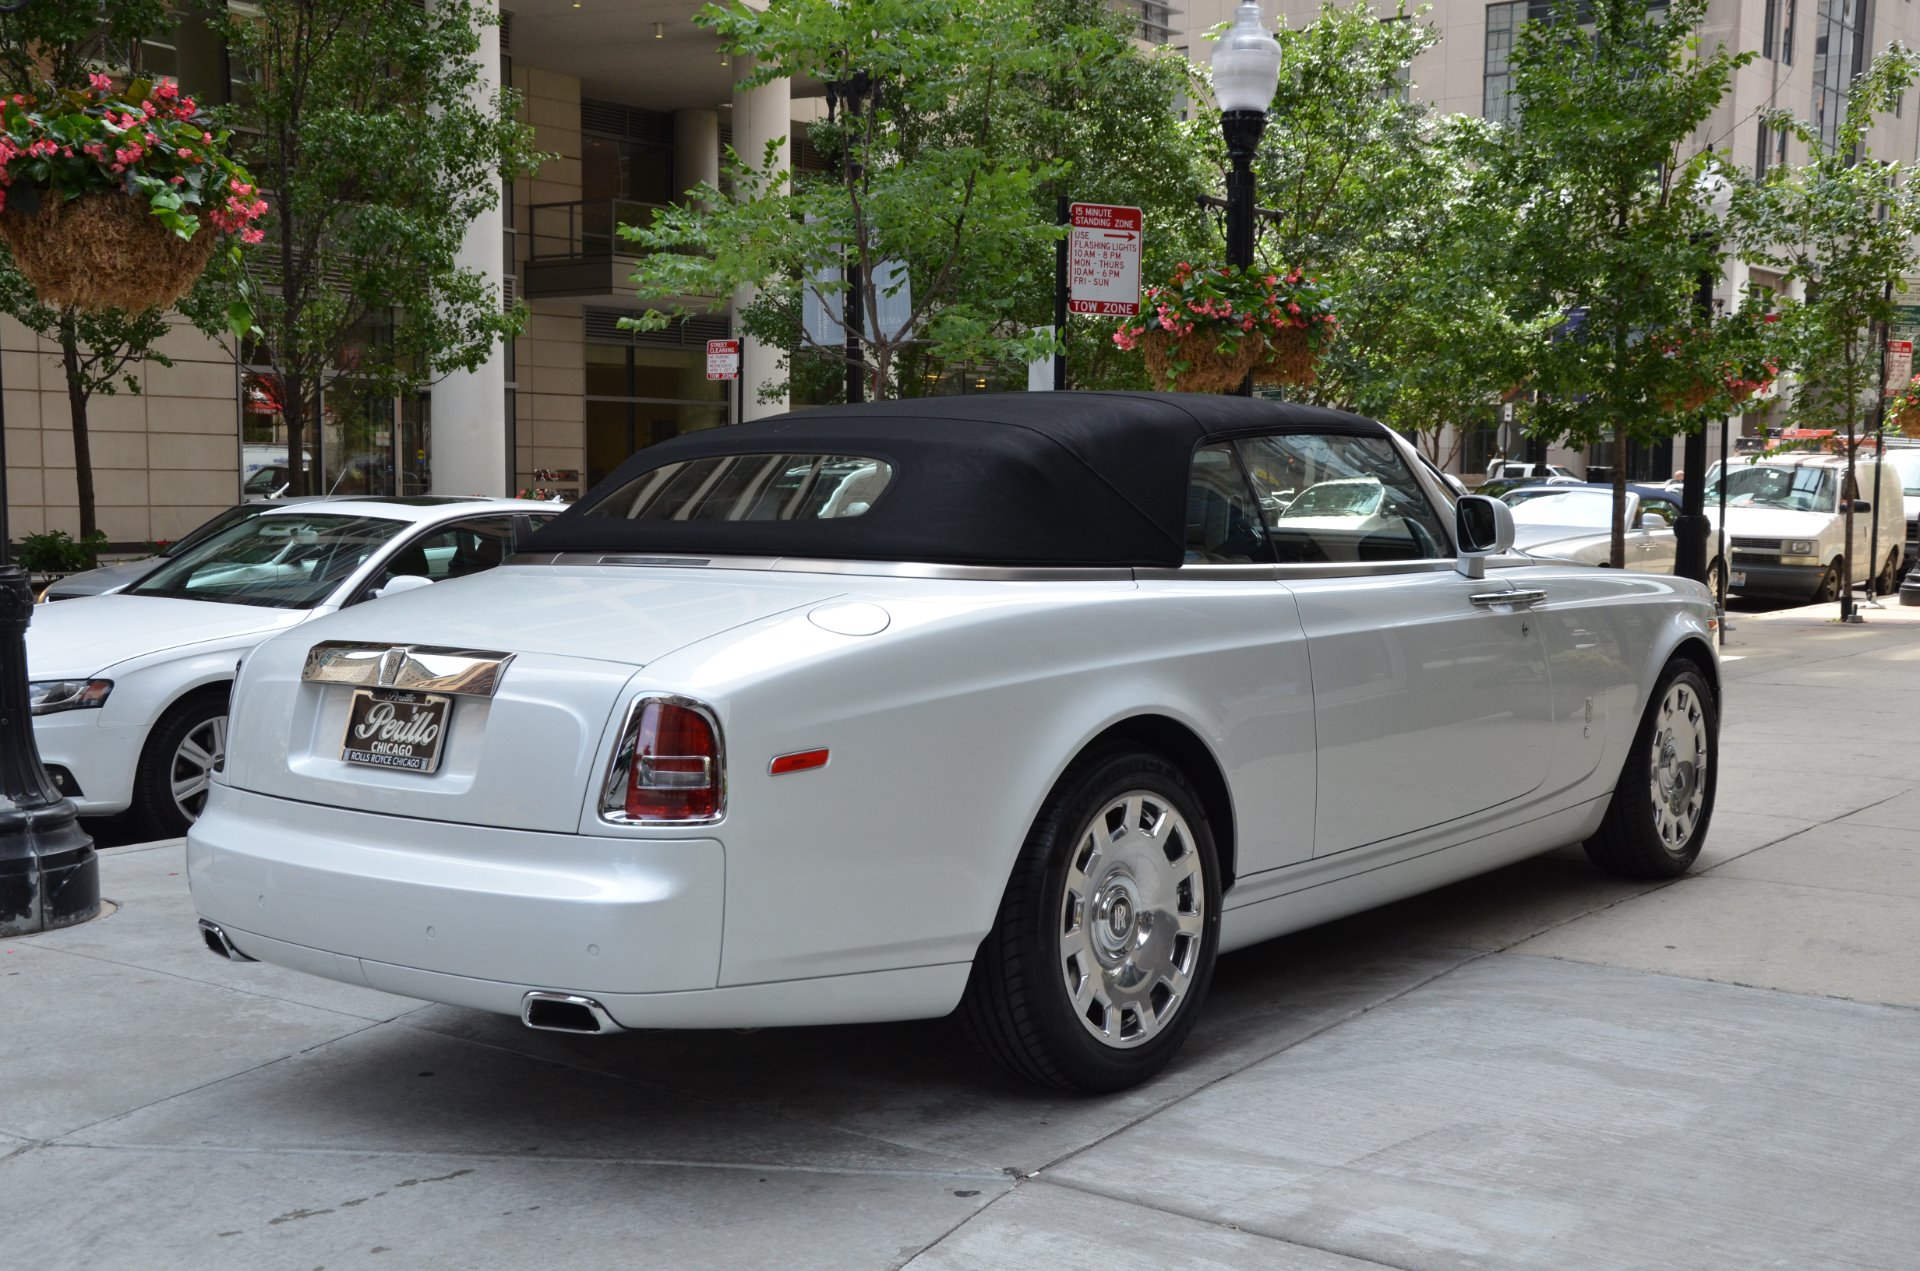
pixel 412 667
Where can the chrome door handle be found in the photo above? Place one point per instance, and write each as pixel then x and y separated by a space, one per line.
pixel 1517 599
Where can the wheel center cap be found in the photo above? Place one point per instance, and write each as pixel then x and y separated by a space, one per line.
pixel 1120 917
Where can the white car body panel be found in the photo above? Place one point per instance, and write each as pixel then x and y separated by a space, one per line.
pixel 862 889
pixel 158 649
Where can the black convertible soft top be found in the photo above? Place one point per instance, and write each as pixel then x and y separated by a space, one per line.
pixel 1036 479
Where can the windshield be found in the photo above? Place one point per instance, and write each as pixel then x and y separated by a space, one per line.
pixel 1907 464
pixel 1584 508
pixel 1797 489
pixel 1337 498
pixel 286 561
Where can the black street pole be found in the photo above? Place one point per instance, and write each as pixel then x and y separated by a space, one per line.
pixel 1720 601
pixel 1242 129
pixel 49 872
pixel 1060 299
pixel 1690 530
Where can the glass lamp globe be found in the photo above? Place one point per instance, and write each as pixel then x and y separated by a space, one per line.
pixel 1246 63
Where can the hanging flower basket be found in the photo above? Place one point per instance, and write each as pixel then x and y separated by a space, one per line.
pixel 1903 410
pixel 1207 329
pixel 104 251
pixel 1290 357
pixel 1195 363
pixel 119 200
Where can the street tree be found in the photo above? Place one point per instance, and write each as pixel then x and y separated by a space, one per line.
pixel 948 143
pixel 1842 226
pixel 1372 191
pixel 1605 171
pixel 50 45
pixel 368 125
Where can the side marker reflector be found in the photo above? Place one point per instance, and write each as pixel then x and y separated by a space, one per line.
pixel 799 761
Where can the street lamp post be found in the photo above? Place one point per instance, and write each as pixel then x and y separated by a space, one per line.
pixel 49 873
pixel 1690 530
pixel 1246 70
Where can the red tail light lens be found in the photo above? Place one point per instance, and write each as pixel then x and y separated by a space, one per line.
pixel 674 774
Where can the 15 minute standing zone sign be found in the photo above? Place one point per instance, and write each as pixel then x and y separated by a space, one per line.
pixel 1103 260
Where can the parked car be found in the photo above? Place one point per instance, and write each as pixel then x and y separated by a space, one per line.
pixel 129 691
pixel 1575 523
pixel 118 576
pixel 1516 469
pixel 1788 527
pixel 1055 717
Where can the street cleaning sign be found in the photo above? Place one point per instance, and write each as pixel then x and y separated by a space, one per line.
pixel 723 359
pixel 1103 260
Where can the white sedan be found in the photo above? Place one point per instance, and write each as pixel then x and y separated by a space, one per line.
pixel 129 691
pixel 1575 523
pixel 1047 713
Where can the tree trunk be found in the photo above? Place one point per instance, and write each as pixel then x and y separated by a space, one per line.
pixel 1617 550
pixel 77 413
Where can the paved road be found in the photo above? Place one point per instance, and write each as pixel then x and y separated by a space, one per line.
pixel 1538 1068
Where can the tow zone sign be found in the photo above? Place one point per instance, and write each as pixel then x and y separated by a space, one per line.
pixel 1103 259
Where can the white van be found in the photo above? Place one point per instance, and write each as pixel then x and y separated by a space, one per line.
pixel 1788 526
pixel 1906 461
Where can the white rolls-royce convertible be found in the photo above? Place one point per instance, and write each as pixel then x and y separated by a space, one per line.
pixel 1025 705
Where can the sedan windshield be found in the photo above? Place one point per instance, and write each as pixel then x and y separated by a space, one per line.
pixel 1337 498
pixel 1798 489
pixel 280 562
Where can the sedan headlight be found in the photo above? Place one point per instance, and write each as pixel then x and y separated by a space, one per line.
pixel 50 697
pixel 1799 546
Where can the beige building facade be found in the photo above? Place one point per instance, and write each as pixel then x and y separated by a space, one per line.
pixel 635 104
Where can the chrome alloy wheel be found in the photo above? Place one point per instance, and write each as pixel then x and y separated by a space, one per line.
pixel 194 761
pixel 1679 766
pixel 1131 919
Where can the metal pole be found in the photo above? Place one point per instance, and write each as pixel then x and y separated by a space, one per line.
pixel 1060 300
pixel 1242 129
pixel 1690 530
pixel 1879 456
pixel 1727 563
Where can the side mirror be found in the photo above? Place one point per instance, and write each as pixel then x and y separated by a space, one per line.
pixel 402 583
pixel 1861 505
pixel 1482 527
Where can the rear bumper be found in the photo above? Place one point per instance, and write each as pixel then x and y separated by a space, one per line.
pixel 559 911
pixel 480 917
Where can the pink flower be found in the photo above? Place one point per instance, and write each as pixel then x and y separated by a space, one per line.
pixel 252 235
pixel 1293 308
pixel 177 179
pixel 100 83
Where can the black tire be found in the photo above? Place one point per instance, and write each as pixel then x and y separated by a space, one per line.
pixel 1829 588
pixel 1888 579
pixel 1017 1005
pixel 155 809
pixel 1642 837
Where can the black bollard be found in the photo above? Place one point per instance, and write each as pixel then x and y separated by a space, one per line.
pixel 49 872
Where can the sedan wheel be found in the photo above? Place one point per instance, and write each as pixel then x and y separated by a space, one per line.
pixel 1103 948
pixel 177 765
pixel 1131 917
pixel 1661 805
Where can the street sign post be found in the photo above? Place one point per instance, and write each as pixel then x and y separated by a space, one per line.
pixel 1899 366
pixel 1103 260
pixel 723 359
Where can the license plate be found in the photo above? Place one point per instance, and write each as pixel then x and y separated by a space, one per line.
pixel 1738 578
pixel 387 728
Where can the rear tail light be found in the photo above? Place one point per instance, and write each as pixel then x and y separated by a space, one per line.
pixel 669 766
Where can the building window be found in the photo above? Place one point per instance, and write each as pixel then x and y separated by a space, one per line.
pixel 638 395
pixel 1768 28
pixel 1786 32
pixel 1156 21
pixel 1762 152
pixel 1838 38
pixel 1503 23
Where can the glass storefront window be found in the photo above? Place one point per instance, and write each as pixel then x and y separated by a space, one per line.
pixel 638 396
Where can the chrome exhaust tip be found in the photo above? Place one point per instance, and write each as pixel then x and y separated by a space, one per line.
pixel 565 1013
pixel 217 942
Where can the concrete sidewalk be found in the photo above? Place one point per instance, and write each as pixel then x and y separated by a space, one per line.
pixel 1538 1068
